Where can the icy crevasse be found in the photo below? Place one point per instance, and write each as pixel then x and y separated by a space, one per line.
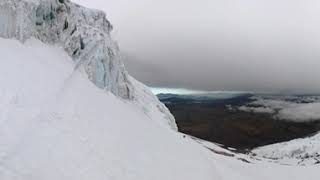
pixel 85 36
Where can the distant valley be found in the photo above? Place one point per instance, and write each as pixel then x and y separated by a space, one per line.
pixel 241 121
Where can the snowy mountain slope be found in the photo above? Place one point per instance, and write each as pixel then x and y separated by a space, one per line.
pixel 56 125
pixel 84 35
pixel 305 151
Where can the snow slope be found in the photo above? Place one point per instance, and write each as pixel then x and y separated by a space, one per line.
pixel 84 34
pixel 305 151
pixel 55 124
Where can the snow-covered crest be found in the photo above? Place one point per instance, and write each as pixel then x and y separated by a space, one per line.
pixel 85 35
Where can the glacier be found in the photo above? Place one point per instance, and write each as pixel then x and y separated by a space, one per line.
pixel 84 34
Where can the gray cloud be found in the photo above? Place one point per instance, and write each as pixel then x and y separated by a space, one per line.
pixel 249 45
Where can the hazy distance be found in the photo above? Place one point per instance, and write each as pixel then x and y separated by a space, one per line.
pixel 234 45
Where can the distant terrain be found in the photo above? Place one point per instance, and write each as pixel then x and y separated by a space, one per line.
pixel 239 121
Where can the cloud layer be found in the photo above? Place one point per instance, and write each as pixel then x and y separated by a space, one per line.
pixel 244 45
pixel 297 109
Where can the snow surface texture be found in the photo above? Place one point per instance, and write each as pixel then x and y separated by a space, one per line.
pixel 293 108
pixel 304 151
pixel 84 34
pixel 55 124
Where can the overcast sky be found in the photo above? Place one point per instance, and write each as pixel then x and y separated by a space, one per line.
pixel 246 45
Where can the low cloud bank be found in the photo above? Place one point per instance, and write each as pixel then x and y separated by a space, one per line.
pixel 257 109
pixel 297 109
pixel 301 112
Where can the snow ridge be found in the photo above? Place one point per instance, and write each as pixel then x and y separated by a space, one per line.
pixel 85 35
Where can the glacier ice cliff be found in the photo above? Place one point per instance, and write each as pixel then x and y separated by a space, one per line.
pixel 85 36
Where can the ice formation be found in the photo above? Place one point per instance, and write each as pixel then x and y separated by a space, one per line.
pixel 85 35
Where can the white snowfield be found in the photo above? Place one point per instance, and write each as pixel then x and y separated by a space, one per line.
pixel 57 125
pixel 301 152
